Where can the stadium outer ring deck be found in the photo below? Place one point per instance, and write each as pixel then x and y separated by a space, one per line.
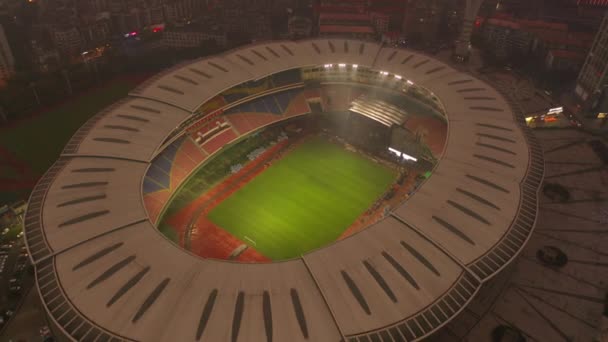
pixel 105 273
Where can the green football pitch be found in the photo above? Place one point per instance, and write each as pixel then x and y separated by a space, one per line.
pixel 303 201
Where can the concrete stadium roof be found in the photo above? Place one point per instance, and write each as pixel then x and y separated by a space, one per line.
pixel 106 273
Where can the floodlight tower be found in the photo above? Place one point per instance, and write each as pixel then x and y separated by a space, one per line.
pixel 464 39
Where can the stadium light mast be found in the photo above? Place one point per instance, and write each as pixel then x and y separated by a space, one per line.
pixel 463 42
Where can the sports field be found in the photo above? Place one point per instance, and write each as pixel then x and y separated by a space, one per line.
pixel 303 201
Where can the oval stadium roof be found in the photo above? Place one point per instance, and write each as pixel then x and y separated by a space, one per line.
pixel 105 272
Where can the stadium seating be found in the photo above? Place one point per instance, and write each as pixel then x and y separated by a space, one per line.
pixel 297 106
pixel 168 170
pixel 246 89
pixel 151 186
pixel 245 123
pixel 155 202
pixel 157 177
pixel 275 103
pixel 215 143
pixel 213 104
pixel 312 94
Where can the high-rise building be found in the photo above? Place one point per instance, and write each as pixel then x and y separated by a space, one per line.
pixel 394 9
pixel 7 61
pixel 593 79
pixel 422 19
pixel 180 10
pixel 67 40
pixel 469 14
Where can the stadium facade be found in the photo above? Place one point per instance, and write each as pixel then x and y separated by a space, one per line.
pixel 105 273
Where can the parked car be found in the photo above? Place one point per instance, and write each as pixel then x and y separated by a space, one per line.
pixel 552 256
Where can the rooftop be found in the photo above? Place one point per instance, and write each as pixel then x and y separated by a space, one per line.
pixel 344 16
pixel 345 29
pixel 566 54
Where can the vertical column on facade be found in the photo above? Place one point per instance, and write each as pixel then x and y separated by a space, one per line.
pixel 464 39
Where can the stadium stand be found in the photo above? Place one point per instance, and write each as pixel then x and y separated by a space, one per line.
pixel 252 88
pixel 312 93
pixel 209 129
pixel 168 171
pixel 297 106
pixel 335 98
pixel 276 103
pixel 157 177
pixel 215 103
pixel 246 89
pixel 218 141
pixel 155 203
pixel 245 123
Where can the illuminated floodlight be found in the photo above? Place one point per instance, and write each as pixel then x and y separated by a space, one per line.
pixel 554 111
pixel 410 82
pixel 408 157
pixel 384 73
pixel 394 151
pixel 355 66
pixel 341 65
pixel 402 154
pixel 398 77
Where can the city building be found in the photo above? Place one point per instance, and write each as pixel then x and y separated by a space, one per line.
pixel 592 10
pixel 67 40
pixel 191 36
pixel 354 25
pixel 508 37
pixel 380 21
pixel 394 9
pixel 341 6
pixel 44 56
pixel 96 31
pixel 498 36
pixel 252 20
pixel 132 16
pixel 299 27
pixel 423 19
pixel 544 41
pixel 391 37
pixel 180 10
pixel 564 60
pixel 7 60
pixel 593 79
pixel 339 31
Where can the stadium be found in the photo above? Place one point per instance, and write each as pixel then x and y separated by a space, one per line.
pixel 319 190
